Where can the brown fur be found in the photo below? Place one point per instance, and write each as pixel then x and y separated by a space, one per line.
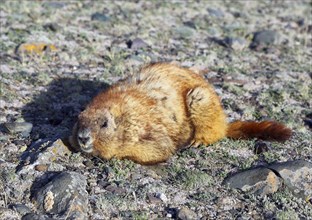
pixel 150 115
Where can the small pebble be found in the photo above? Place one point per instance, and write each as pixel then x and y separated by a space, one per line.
pixel 19 127
pixel 136 44
pixel 99 17
pixel 41 167
pixel 20 208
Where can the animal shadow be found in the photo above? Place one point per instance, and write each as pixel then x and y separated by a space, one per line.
pixel 54 111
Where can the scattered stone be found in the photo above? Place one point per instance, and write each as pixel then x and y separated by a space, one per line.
pixel 186 214
pixel 33 216
pixel 153 199
pixel 235 43
pixel 162 196
pixel 260 180
pixel 20 208
pixel 184 32
pixel 65 194
pixel 52 27
pixel 54 4
pixel 99 17
pixel 227 203
pixel 136 44
pixel 8 214
pixel 41 167
pixel 261 147
pixel 263 39
pixel 215 12
pixel 43 152
pixel 179 198
pixel 115 189
pixel 23 128
pixel 297 175
pixel 190 24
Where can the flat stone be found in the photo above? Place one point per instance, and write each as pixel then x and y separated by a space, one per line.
pixel 20 208
pixel 136 44
pixel 186 214
pixel 65 194
pixel 23 128
pixel 43 152
pixel 34 216
pixel 264 38
pixel 184 32
pixel 215 12
pixel 99 17
pixel 8 214
pixel 297 175
pixel 235 43
pixel 260 180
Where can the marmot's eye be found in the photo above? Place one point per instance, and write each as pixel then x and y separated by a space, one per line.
pixel 104 125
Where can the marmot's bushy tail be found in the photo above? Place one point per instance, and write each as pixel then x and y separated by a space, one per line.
pixel 265 130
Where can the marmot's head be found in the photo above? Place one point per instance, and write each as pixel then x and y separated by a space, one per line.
pixel 94 129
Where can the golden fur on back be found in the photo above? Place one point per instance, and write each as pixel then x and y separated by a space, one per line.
pixel 148 116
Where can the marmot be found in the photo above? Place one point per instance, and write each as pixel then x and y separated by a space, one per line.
pixel 148 116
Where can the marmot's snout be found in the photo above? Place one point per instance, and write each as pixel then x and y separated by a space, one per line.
pixel 84 140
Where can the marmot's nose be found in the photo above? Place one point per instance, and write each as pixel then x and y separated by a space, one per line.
pixel 83 140
pixel 84 136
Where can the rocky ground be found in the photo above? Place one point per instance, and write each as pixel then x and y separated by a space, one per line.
pixel 55 56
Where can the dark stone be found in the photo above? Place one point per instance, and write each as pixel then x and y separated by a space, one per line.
pixel 99 17
pixel 261 147
pixel 51 26
pixel 190 24
pixel 65 195
pixel 308 122
pixel 33 216
pixel 264 38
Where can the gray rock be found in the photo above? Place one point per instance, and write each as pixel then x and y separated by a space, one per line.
pixel 186 214
pixel 153 199
pixel 184 32
pixel 190 24
pixel 8 214
pixel 43 152
pixel 215 12
pixel 20 208
pixel 264 38
pixel 64 195
pixel 54 4
pixel 235 43
pixel 52 27
pixel 260 180
pixel 33 216
pixel 23 128
pixel 99 17
pixel 136 44
pixel 297 175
